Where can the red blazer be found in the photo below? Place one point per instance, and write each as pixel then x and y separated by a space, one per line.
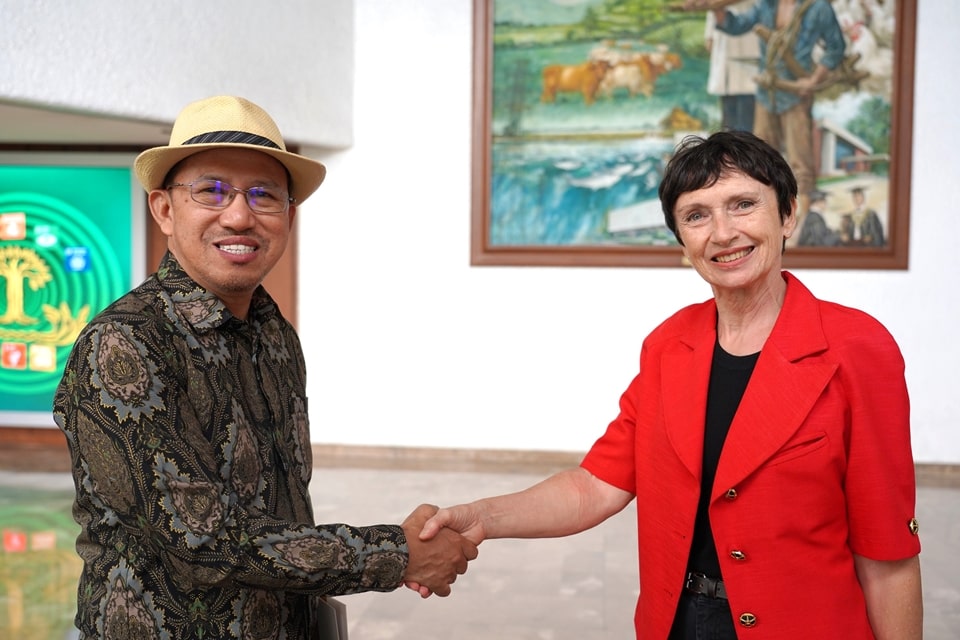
pixel 817 466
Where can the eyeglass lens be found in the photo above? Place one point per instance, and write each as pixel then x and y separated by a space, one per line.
pixel 219 194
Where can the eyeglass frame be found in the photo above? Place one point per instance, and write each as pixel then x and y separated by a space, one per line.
pixel 233 195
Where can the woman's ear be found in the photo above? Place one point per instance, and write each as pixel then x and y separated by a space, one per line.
pixel 790 222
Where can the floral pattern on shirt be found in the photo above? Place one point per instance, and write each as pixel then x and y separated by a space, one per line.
pixel 189 439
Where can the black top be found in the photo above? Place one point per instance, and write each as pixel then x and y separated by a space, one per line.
pixel 729 376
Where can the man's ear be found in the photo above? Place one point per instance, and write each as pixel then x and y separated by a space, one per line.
pixel 291 214
pixel 161 208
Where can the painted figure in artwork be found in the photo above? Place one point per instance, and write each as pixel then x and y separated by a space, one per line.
pixel 861 227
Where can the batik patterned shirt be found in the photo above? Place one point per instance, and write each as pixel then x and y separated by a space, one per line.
pixel 188 433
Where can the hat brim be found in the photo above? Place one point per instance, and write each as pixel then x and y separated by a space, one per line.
pixel 153 165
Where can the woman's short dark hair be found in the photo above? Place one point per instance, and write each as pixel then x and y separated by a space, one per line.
pixel 699 162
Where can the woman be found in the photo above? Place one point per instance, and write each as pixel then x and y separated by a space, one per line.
pixel 766 438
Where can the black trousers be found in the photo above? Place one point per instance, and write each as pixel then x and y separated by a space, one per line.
pixel 701 617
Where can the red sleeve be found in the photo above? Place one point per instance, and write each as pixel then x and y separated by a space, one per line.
pixel 880 479
pixel 612 456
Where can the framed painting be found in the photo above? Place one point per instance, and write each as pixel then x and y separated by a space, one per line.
pixel 579 104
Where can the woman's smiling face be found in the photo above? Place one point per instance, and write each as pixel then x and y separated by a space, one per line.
pixel 732 232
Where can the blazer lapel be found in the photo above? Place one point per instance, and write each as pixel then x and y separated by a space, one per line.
pixel 685 373
pixel 782 390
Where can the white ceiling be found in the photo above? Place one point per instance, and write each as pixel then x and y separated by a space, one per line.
pixel 21 124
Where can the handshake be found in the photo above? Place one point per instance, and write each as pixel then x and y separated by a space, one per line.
pixel 440 543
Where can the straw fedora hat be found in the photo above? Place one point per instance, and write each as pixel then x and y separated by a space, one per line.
pixel 227 122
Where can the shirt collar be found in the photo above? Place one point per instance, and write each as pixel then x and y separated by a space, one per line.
pixel 202 309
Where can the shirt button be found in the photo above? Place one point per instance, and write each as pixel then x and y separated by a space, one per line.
pixel 731 494
pixel 736 554
pixel 748 619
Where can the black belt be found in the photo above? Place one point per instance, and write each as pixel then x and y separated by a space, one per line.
pixel 699 583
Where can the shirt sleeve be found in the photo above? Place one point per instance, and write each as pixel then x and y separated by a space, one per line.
pixel 738 23
pixel 831 35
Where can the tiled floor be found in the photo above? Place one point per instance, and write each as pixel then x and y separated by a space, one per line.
pixel 576 588
pixel 582 587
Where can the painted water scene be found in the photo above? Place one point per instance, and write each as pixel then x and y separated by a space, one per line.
pixel 588 98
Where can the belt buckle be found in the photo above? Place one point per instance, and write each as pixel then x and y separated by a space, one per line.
pixel 695 582
pixel 700 583
pixel 712 587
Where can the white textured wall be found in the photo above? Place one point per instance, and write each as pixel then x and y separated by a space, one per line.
pixel 146 59
pixel 409 345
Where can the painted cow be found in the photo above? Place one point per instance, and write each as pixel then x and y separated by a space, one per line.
pixel 583 78
pixel 639 73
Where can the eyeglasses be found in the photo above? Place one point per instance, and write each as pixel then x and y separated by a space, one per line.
pixel 218 194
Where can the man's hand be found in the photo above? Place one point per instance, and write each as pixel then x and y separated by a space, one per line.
pixel 464 519
pixel 435 562
pixel 805 86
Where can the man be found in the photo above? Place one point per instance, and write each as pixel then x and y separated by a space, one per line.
pixel 733 63
pixel 861 227
pixel 815 232
pixel 790 31
pixel 184 408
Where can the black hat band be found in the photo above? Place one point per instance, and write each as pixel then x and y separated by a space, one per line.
pixel 234 137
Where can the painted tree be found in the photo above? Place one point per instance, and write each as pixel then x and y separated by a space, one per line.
pixel 19 265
